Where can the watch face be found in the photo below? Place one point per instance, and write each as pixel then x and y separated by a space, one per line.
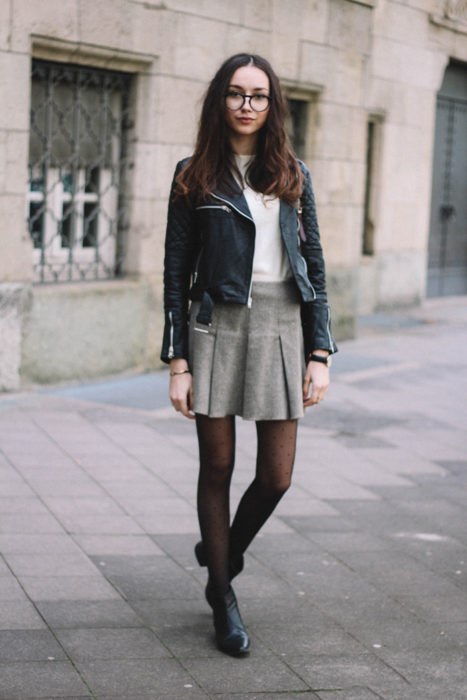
pixel 329 362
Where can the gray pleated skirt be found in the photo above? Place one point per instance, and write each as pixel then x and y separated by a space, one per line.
pixel 249 362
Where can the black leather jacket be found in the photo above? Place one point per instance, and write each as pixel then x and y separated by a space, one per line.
pixel 209 257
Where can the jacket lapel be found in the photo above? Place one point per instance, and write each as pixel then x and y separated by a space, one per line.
pixel 288 222
pixel 237 200
pixel 287 215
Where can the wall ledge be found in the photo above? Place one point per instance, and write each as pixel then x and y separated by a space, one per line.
pixel 457 26
pixel 81 53
pixel 367 3
pixel 92 287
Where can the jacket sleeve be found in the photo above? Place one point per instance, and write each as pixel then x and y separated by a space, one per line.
pixel 180 245
pixel 316 315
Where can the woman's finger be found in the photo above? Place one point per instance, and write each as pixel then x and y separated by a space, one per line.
pixel 306 386
pixel 319 376
pixel 180 394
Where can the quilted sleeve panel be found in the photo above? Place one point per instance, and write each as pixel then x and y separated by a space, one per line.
pixel 316 316
pixel 180 247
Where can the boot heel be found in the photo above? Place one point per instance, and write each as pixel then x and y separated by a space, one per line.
pixel 231 635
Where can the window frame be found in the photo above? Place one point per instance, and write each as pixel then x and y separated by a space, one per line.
pixel 54 261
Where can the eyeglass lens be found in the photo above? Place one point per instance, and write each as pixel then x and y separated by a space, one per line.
pixel 235 100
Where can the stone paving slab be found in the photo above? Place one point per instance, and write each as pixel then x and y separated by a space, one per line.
pixel 328 671
pixel 220 675
pixel 355 693
pixel 10 588
pixel 189 693
pixel 299 695
pixel 114 643
pixel 76 614
pixel 125 677
pixel 29 645
pixel 20 615
pixel 356 589
pixel 37 679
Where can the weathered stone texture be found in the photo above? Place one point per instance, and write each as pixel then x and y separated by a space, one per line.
pixel 14 109
pixel 11 311
pixel 76 333
pixel 51 18
pixel 351 59
pixel 16 247
pixel 13 150
pixel 5 18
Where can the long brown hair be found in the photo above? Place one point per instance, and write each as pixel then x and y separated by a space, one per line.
pixel 273 171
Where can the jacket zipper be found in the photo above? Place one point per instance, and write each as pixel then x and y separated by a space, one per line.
pixel 302 260
pixel 198 260
pixel 171 342
pixel 231 206
pixel 328 328
pixel 214 206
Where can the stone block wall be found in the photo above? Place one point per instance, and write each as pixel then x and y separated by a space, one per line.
pixel 411 47
pixel 11 314
pixel 353 59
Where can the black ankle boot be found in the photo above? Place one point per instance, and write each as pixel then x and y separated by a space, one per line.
pixel 210 593
pixel 231 635
pixel 235 564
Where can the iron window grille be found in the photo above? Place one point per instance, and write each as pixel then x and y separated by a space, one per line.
pixel 297 125
pixel 78 161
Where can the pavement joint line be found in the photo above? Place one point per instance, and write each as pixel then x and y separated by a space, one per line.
pixel 115 586
pixel 406 597
pixel 94 479
pixel 52 632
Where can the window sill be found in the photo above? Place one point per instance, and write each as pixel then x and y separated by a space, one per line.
pixel 367 3
pixel 458 26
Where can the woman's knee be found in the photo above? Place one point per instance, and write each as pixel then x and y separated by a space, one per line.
pixel 218 472
pixel 275 488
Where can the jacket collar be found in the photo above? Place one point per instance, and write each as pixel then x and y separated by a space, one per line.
pixel 238 201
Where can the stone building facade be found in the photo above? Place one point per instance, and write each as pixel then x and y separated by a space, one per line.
pixel 100 99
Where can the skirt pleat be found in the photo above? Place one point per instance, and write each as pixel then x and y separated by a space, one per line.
pixel 249 362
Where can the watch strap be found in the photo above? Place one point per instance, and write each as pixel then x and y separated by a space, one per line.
pixel 325 360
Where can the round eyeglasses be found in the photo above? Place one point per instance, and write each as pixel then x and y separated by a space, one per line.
pixel 236 100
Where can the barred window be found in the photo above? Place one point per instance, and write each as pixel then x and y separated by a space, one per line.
pixel 297 125
pixel 78 157
pixel 302 121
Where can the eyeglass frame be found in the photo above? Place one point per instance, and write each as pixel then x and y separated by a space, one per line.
pixel 247 97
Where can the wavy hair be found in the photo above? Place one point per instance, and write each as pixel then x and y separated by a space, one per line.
pixel 274 171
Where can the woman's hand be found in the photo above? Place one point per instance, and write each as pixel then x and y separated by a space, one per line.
pixel 181 388
pixel 317 374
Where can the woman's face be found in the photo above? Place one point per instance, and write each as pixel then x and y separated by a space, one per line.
pixel 245 122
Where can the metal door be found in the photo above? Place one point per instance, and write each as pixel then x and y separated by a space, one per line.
pixel 447 250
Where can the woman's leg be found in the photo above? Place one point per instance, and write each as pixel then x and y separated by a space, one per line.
pixel 274 465
pixel 216 437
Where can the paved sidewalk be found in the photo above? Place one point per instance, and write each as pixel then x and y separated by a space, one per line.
pixel 356 589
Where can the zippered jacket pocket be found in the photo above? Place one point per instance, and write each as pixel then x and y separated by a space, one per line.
pixel 175 341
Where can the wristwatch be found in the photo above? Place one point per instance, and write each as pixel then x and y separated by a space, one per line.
pixel 320 358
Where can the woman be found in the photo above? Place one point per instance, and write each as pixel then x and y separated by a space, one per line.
pixel 257 336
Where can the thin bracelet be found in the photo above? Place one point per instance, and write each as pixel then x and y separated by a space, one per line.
pixel 182 371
